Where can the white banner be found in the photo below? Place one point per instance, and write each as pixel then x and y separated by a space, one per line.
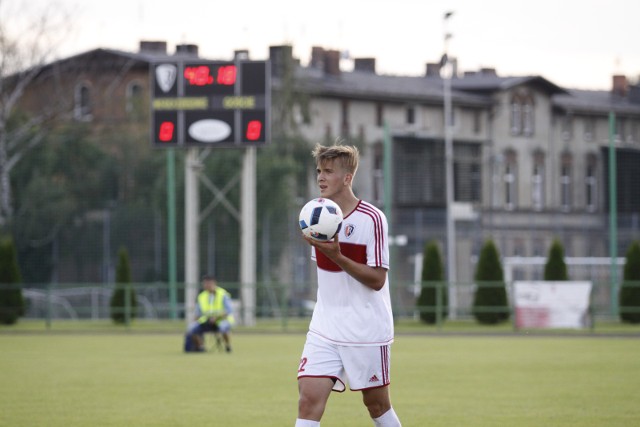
pixel 543 304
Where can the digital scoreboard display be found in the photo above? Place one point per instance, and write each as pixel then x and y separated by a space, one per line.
pixel 210 103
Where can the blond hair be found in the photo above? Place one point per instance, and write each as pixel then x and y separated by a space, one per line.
pixel 348 155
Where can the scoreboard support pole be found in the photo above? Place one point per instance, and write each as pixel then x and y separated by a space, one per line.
pixel 248 236
pixel 191 226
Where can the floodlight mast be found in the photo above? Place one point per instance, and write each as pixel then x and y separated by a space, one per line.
pixel 447 68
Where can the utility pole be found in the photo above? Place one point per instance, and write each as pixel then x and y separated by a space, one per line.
pixel 448 153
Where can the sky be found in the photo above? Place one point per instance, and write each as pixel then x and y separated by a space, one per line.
pixel 573 43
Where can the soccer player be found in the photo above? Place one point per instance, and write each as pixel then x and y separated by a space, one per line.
pixel 351 329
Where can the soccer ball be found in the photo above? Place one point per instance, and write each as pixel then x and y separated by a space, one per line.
pixel 320 219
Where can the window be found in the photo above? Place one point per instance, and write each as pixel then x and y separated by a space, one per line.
pixel 522 118
pixel 411 115
pixel 590 183
pixel 567 127
pixel 565 184
pixel 378 174
pixel 621 125
pixel 510 181
pixel 134 98
pixel 634 134
pixel 82 103
pixel 419 172
pixel 537 182
pixel 477 121
pixel 527 118
pixel 379 114
pixel 344 110
pixel 466 173
pixel 516 117
pixel 590 129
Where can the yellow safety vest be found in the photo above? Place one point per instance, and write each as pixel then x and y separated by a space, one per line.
pixel 212 305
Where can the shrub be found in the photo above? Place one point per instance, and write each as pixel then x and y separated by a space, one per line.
pixel 432 279
pixel 630 290
pixel 12 303
pixel 490 304
pixel 555 268
pixel 123 293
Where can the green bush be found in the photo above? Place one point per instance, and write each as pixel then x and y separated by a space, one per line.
pixel 12 303
pixel 556 269
pixel 490 304
pixel 123 294
pixel 630 290
pixel 432 279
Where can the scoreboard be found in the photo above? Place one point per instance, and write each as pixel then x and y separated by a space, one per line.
pixel 210 103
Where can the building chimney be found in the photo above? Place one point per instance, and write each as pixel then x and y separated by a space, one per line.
pixel 620 85
pixel 332 62
pixel 187 50
pixel 156 47
pixel 317 57
pixel 241 54
pixel 281 60
pixel 433 69
pixel 488 71
pixel 368 65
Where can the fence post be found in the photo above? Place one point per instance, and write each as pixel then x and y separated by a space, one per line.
pixel 48 310
pixel 439 286
pixel 127 304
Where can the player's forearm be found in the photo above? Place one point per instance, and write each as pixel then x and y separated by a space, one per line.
pixel 371 277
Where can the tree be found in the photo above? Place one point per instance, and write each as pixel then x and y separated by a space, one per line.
pixel 490 304
pixel 11 300
pixel 432 284
pixel 555 268
pixel 123 300
pixel 630 291
pixel 27 40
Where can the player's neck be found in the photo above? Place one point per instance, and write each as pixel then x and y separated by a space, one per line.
pixel 346 200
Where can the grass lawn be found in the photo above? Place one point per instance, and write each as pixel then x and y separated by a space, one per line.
pixel 143 379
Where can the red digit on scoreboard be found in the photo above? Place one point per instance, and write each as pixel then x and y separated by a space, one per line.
pixel 227 75
pixel 198 76
pixel 166 131
pixel 254 128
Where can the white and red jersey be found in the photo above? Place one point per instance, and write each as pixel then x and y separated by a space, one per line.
pixel 347 312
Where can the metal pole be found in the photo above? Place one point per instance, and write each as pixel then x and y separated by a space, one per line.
pixel 171 231
pixel 448 153
pixel 613 214
pixel 387 175
pixel 191 225
pixel 248 236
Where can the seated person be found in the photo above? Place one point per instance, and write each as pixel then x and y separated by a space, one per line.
pixel 213 314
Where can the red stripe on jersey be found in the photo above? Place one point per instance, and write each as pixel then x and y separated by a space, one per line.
pixel 357 253
pixel 367 209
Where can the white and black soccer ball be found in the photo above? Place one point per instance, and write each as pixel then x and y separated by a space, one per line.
pixel 320 219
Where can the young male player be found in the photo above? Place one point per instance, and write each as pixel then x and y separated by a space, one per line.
pixel 351 329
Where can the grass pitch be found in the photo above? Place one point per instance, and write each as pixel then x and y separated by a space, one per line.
pixel 144 379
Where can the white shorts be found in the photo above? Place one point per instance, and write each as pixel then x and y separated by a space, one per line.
pixel 361 367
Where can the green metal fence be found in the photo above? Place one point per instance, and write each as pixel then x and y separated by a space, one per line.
pixel 276 304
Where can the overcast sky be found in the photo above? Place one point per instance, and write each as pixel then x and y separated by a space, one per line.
pixel 573 43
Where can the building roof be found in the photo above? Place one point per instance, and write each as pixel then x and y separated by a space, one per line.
pixel 392 88
pixel 470 89
pixel 594 101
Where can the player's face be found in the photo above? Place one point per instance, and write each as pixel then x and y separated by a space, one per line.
pixel 332 178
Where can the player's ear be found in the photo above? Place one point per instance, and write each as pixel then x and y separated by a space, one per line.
pixel 348 178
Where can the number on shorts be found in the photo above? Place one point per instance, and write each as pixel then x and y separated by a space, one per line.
pixel 303 362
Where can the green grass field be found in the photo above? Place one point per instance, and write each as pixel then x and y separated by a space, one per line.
pixel 143 379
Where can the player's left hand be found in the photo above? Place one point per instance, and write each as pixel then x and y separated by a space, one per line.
pixel 331 248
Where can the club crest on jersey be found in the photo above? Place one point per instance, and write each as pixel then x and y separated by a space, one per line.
pixel 349 229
